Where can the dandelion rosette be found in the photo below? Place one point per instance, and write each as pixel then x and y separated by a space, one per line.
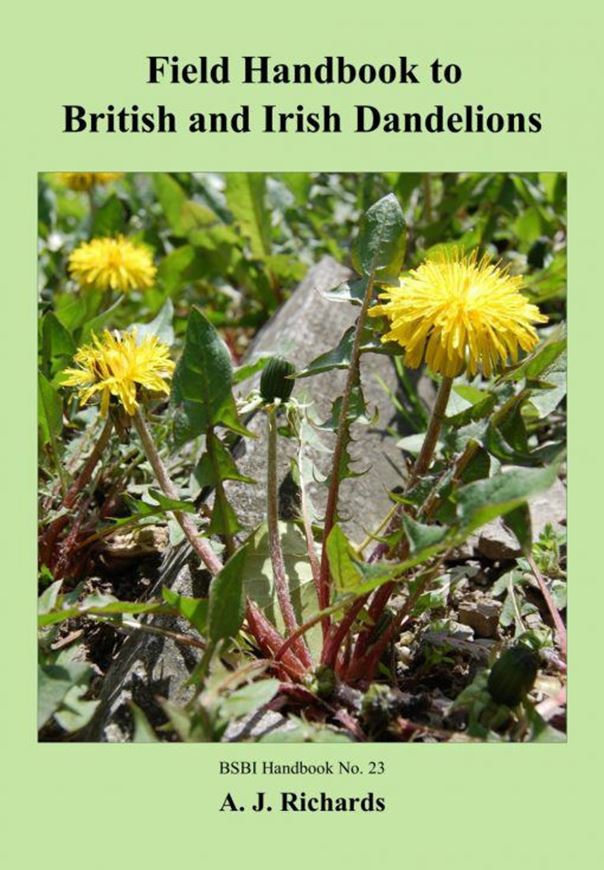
pixel 87 180
pixel 117 365
pixel 459 313
pixel 112 264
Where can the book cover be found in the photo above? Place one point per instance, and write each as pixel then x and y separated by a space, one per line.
pixel 288 481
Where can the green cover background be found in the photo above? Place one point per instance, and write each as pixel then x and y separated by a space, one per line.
pixel 461 805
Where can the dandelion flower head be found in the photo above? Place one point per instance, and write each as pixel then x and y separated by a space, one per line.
pixel 112 264
pixel 457 313
pixel 117 365
pixel 87 180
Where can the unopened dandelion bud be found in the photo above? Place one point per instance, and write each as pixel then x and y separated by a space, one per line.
pixel 513 675
pixel 276 381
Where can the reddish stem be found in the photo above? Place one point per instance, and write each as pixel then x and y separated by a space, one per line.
pixel 89 466
pixel 420 467
pixel 557 619
pixel 56 527
pixel 341 438
pixel 67 545
pixel 269 640
pixel 338 633
pixel 363 668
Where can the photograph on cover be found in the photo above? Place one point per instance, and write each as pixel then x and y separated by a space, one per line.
pixel 302 457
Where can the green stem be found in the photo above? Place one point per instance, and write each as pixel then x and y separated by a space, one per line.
pixel 272 518
pixel 422 463
pixel 200 546
pixel 433 500
pixel 375 533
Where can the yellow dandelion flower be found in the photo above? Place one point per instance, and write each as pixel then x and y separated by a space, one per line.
pixel 87 180
pixel 117 365
pixel 459 312
pixel 112 264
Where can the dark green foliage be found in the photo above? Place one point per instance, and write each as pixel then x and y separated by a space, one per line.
pixel 379 249
pixel 226 606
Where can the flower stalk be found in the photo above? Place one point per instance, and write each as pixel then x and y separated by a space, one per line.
pixel 200 546
pixel 276 551
pixel 86 473
pixel 271 642
pixel 422 463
